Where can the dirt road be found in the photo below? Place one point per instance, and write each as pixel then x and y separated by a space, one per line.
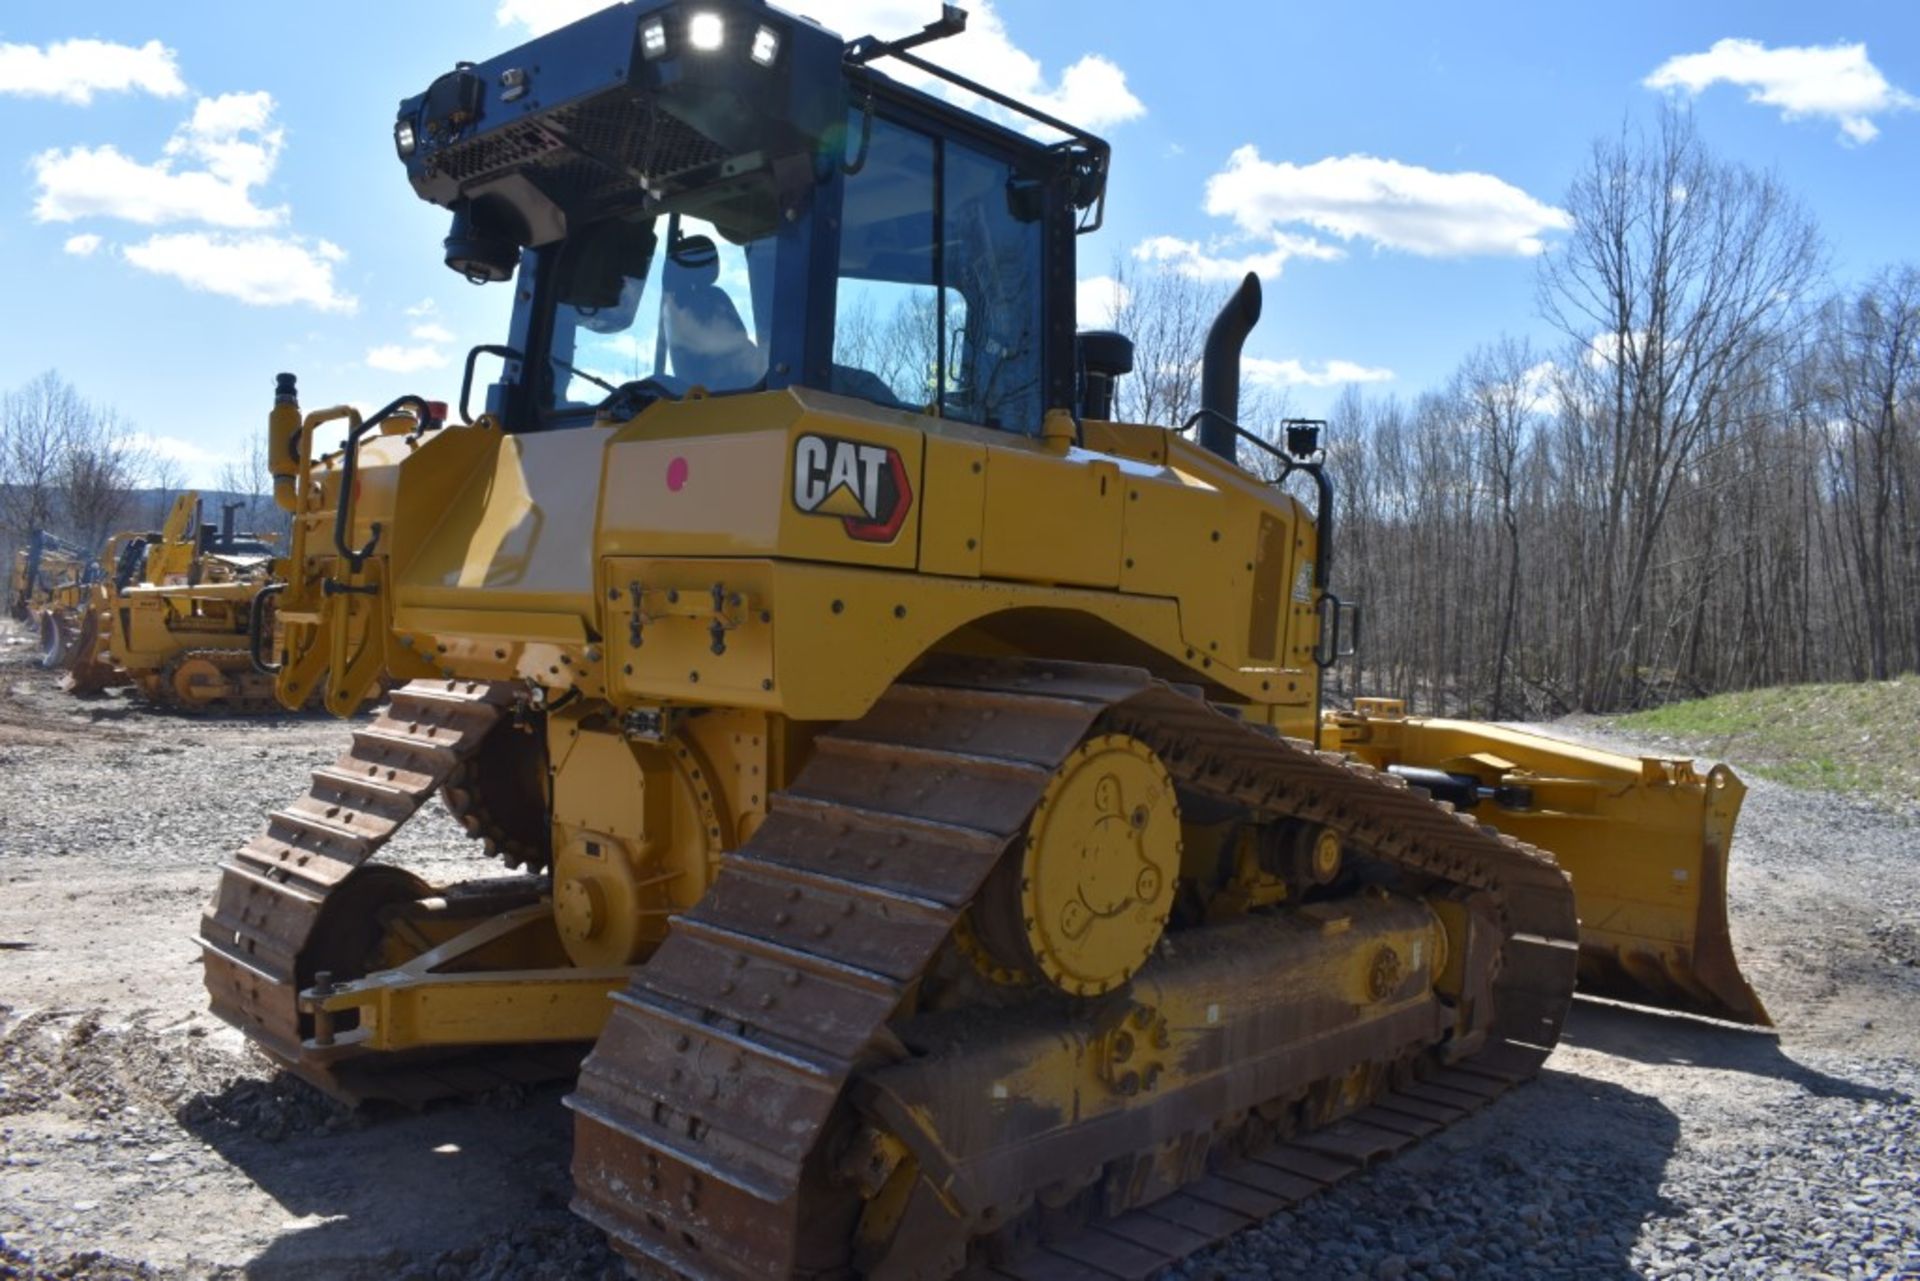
pixel 140 1138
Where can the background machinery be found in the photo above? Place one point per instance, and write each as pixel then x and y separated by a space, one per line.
pixel 46 590
pixel 171 614
pixel 917 782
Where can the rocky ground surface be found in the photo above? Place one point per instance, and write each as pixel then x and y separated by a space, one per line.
pixel 140 1138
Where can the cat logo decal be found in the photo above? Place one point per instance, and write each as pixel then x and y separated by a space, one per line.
pixel 864 485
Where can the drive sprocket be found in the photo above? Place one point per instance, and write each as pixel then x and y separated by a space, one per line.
pixel 499 794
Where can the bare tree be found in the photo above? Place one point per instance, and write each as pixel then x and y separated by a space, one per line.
pixel 1501 387
pixel 33 421
pixel 165 480
pixel 246 478
pixel 1679 271
pixel 98 468
pixel 1166 313
pixel 1869 357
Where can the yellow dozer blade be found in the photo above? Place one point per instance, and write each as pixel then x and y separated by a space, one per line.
pixel 1644 838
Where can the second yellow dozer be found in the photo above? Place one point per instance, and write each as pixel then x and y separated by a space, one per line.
pixel 47 590
pixel 172 615
pixel 918 783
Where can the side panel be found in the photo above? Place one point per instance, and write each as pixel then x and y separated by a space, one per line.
pixel 815 642
pixel 712 495
pixel 518 537
pixel 955 485
pixel 1231 550
pixel 858 538
pixel 799 473
pixel 1052 519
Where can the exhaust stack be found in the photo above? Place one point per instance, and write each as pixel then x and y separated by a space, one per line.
pixel 1220 369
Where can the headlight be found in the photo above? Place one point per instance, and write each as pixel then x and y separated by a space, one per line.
pixel 653 38
pixel 403 138
pixel 766 46
pixel 706 32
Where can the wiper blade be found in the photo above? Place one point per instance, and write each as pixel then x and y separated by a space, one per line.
pixel 596 381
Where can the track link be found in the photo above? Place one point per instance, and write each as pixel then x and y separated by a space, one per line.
pixel 703 1111
pixel 266 932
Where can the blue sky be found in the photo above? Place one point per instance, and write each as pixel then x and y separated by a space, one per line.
pixel 206 194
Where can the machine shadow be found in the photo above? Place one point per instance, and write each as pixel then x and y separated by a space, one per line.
pixel 1571 1168
pixel 400 1187
pixel 1566 1169
pixel 1658 1038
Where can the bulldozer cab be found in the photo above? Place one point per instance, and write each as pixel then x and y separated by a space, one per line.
pixel 751 204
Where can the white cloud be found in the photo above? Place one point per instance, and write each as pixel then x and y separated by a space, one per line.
pixel 233 140
pixel 542 16
pixel 1834 82
pixel 1096 299
pixel 1540 386
pixel 173 449
pixel 1217 262
pixel 425 307
pixel 1606 350
pixel 1092 92
pixel 398 359
pixel 206 174
pixel 263 270
pixel 74 70
pixel 1392 205
pixel 422 354
pixel 1292 373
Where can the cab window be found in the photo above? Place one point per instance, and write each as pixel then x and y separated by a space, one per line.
pixel 938 304
pixel 674 300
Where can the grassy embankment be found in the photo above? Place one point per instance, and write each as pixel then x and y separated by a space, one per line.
pixel 1862 738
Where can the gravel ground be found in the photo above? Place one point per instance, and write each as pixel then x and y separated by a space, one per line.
pixel 140 1138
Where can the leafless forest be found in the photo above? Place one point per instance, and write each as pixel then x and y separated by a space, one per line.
pixel 1709 480
pixel 83 472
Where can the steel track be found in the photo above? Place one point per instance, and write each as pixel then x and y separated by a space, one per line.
pixel 705 1107
pixel 263 937
pixel 256 695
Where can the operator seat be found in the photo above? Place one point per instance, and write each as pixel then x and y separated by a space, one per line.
pixel 706 338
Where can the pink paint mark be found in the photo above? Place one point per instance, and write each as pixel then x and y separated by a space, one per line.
pixel 677 475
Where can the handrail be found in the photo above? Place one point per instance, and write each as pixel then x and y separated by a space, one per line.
pixel 357 427
pixel 256 629
pixel 466 378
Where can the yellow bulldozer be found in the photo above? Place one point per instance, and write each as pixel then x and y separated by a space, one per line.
pixel 172 616
pixel 47 590
pixel 915 789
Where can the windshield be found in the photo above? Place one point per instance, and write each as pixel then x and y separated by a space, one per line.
pixel 668 298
